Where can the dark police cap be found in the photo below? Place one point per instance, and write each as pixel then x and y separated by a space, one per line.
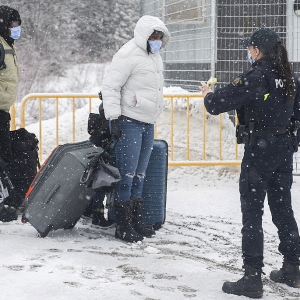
pixel 262 38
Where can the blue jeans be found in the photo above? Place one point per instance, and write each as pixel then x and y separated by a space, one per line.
pixel 133 151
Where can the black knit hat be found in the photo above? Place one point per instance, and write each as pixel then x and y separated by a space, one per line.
pixel 8 15
pixel 262 38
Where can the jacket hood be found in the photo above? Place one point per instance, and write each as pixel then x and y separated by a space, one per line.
pixel 145 27
pixel 7 16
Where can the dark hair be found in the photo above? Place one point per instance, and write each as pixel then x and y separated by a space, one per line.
pixel 148 48
pixel 280 62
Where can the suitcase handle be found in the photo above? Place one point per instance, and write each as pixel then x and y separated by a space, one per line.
pixel 86 175
pixel 91 155
pixel 51 192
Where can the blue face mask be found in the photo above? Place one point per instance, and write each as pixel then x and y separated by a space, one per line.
pixel 250 59
pixel 155 45
pixel 15 32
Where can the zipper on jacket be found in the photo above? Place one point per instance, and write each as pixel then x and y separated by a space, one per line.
pixel 157 71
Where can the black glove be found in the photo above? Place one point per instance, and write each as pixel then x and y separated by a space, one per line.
pixel 115 129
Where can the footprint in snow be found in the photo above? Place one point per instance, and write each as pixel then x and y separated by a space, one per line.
pixel 73 284
pixel 16 267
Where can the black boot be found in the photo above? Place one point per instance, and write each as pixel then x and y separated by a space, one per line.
pixel 139 227
pixel 124 225
pixel 7 215
pixel 250 285
pixel 99 219
pixel 288 274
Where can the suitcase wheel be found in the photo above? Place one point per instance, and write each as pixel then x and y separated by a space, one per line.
pixel 45 233
pixel 23 219
pixel 157 226
pixel 41 235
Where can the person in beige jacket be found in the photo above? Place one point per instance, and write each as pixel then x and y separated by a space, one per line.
pixel 10 30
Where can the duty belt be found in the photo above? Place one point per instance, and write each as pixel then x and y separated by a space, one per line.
pixel 247 134
pixel 271 131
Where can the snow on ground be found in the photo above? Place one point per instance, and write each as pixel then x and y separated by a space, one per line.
pixel 196 250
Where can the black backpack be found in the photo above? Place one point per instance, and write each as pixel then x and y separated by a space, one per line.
pixel 98 128
pixel 23 168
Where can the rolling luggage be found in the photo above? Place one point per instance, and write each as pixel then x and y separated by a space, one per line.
pixel 155 187
pixel 56 198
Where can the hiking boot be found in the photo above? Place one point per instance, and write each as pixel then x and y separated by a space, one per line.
pixel 124 225
pixel 138 225
pixel 250 285
pixel 7 215
pixel 288 274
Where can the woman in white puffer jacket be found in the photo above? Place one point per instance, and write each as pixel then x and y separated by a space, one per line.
pixel 133 100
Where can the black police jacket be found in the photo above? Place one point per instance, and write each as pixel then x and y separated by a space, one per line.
pixel 257 96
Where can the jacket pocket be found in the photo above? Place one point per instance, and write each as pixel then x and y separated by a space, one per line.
pixel 143 103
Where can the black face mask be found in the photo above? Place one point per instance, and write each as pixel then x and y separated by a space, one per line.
pixel 8 15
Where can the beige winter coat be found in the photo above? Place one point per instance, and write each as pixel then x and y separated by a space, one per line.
pixel 133 85
pixel 9 78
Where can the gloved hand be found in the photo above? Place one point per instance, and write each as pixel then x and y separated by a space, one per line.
pixel 115 129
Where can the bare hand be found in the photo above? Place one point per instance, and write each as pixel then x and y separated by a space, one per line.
pixel 205 89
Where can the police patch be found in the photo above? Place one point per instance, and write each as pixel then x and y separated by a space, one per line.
pixel 237 81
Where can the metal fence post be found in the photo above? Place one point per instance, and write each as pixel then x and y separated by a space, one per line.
pixel 213 38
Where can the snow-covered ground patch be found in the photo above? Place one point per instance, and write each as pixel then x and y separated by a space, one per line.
pixel 196 250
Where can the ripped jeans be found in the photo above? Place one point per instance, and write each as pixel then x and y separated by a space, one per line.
pixel 133 152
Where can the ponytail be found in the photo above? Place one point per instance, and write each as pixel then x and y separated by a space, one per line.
pixel 279 59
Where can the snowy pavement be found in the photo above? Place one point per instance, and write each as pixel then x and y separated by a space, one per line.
pixel 197 249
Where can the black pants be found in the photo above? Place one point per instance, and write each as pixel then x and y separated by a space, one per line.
pixel 5 142
pixel 267 170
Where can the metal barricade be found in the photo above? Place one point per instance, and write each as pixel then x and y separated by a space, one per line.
pixel 186 140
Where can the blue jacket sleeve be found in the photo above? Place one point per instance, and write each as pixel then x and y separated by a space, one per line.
pixel 249 87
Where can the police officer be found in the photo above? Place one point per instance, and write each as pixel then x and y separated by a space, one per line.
pixel 267 101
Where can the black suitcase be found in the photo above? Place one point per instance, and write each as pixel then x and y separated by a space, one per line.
pixel 56 198
pixel 155 187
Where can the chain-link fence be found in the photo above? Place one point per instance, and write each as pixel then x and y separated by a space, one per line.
pixel 206 36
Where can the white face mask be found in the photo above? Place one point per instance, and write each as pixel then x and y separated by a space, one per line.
pixel 15 32
pixel 250 59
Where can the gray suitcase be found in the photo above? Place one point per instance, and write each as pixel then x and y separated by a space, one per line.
pixel 56 198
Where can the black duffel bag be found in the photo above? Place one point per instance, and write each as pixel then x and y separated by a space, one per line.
pixel 23 168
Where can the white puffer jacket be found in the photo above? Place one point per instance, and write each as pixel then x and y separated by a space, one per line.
pixel 133 84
